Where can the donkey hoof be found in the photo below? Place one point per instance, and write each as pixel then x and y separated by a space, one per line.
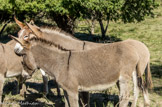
pixel 22 93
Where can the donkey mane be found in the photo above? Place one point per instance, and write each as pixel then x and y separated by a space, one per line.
pixel 50 43
pixel 56 30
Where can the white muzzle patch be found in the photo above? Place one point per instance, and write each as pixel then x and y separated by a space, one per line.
pixel 18 48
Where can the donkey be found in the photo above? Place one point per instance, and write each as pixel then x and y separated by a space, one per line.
pixel 23 33
pixel 107 64
pixel 44 76
pixel 72 43
pixel 11 66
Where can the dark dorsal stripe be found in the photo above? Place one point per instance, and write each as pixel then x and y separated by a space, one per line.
pixel 42 40
pixel 68 64
pixel 83 45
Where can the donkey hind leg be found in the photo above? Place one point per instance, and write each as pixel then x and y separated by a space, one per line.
pixel 18 85
pixel 146 98
pixel 1 88
pixel 84 99
pixel 136 89
pixel 71 99
pixel 124 92
pixel 145 89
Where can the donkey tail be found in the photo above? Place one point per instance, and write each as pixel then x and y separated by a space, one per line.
pixel 148 77
pixel 147 83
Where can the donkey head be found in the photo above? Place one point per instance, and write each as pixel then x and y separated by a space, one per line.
pixel 26 32
pixel 28 60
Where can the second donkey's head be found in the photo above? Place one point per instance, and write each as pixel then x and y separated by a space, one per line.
pixel 25 51
pixel 26 32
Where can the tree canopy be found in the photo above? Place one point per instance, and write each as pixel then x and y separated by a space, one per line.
pixel 65 12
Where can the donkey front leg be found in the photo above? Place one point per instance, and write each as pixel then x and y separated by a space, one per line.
pixel 146 98
pixel 71 99
pixel 124 92
pixel 21 87
pixel 1 88
pixel 45 82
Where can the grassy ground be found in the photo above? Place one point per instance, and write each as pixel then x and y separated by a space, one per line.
pixel 148 31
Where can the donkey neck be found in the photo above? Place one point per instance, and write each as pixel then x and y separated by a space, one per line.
pixel 49 58
pixel 66 40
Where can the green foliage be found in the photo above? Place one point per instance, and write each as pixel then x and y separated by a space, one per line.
pixel 127 10
pixel 5 10
pixel 137 10
pixel 21 8
pixel 69 10
pixel 102 9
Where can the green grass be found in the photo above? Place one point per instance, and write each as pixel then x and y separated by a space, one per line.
pixel 148 32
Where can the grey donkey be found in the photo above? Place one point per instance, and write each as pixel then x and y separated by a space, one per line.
pixel 119 55
pixel 72 43
pixel 11 66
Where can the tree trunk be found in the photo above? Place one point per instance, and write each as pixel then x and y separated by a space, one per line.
pixel 64 22
pixel 4 28
pixel 103 30
pixel 92 26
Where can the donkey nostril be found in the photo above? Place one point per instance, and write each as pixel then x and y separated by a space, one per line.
pixel 16 50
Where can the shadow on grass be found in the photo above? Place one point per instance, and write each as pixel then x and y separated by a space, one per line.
pixel 103 100
pixel 32 101
pixel 25 103
pixel 158 90
pixel 31 98
pixel 156 70
pixel 5 39
pixel 96 38
pixel 10 88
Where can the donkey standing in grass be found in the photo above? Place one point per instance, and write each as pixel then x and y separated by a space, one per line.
pixel 71 42
pixel 11 66
pixel 98 68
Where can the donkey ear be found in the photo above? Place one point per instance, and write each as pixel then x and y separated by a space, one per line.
pixel 31 22
pixel 16 39
pixel 35 29
pixel 21 25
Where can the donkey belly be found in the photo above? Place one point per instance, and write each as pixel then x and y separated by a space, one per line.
pixel 98 87
pixel 12 74
pixel 97 76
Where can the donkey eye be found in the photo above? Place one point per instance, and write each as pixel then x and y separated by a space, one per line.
pixel 25 37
